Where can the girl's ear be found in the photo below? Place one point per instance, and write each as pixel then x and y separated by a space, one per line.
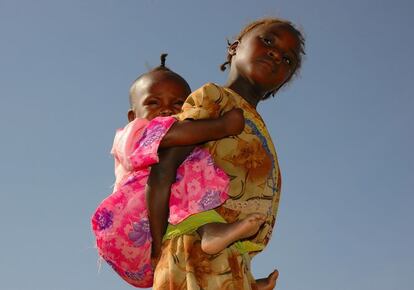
pixel 233 47
pixel 131 115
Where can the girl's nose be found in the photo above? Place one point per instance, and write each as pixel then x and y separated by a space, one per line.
pixel 164 112
pixel 275 54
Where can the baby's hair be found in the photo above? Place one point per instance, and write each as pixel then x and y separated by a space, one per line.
pixel 268 21
pixel 161 67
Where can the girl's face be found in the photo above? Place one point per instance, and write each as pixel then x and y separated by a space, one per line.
pixel 159 94
pixel 266 56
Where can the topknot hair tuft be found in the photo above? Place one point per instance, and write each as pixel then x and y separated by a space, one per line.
pixel 163 57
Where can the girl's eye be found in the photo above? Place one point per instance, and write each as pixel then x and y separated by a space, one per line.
pixel 267 40
pixel 287 60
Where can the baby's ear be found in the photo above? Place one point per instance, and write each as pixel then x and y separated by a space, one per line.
pixel 232 47
pixel 131 115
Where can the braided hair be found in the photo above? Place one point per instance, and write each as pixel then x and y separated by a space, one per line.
pixel 268 21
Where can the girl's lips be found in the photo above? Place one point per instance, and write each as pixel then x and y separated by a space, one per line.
pixel 269 63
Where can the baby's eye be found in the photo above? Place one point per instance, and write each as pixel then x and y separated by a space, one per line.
pixel 151 103
pixel 178 104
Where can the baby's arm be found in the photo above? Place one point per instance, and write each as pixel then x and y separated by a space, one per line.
pixel 191 132
pixel 184 134
pixel 158 192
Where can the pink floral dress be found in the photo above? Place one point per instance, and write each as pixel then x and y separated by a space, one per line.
pixel 120 223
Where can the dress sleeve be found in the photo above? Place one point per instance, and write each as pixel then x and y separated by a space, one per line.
pixel 209 101
pixel 146 149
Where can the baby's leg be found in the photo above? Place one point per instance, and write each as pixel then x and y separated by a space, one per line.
pixel 268 283
pixel 215 237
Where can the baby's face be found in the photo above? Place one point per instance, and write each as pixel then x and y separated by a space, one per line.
pixel 160 94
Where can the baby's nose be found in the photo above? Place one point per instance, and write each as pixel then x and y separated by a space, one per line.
pixel 166 112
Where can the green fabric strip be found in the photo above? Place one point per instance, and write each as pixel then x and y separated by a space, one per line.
pixel 193 222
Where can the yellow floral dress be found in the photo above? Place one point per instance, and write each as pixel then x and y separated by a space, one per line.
pixel 251 162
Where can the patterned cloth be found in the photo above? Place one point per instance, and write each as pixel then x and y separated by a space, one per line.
pixel 121 224
pixel 251 162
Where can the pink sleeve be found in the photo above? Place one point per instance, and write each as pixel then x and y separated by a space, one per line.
pixel 146 149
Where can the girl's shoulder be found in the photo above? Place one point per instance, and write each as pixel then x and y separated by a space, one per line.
pixel 213 93
pixel 208 91
pixel 208 101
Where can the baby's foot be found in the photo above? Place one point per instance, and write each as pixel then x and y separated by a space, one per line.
pixel 217 236
pixel 268 283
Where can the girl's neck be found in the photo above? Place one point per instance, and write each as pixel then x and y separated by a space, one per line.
pixel 246 90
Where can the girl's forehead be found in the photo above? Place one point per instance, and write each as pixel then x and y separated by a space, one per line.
pixel 275 28
pixel 281 30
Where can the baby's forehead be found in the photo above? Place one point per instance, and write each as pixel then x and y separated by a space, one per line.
pixel 160 79
pixel 156 82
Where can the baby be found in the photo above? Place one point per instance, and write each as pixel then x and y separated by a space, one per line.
pixel 124 232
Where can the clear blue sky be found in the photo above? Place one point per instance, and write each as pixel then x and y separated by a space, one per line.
pixel 343 131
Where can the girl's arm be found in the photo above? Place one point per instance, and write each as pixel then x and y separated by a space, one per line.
pixel 158 193
pixel 198 131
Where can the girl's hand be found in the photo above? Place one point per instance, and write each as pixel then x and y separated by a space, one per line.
pixel 233 121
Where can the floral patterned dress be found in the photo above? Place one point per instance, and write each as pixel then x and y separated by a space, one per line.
pixel 251 162
pixel 120 223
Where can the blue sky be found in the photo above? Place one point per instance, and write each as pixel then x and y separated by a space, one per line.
pixel 343 130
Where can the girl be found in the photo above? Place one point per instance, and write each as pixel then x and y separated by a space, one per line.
pixel 264 57
pixel 121 222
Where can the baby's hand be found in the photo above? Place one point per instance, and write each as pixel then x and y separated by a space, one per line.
pixel 233 121
pixel 154 262
pixel 155 255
